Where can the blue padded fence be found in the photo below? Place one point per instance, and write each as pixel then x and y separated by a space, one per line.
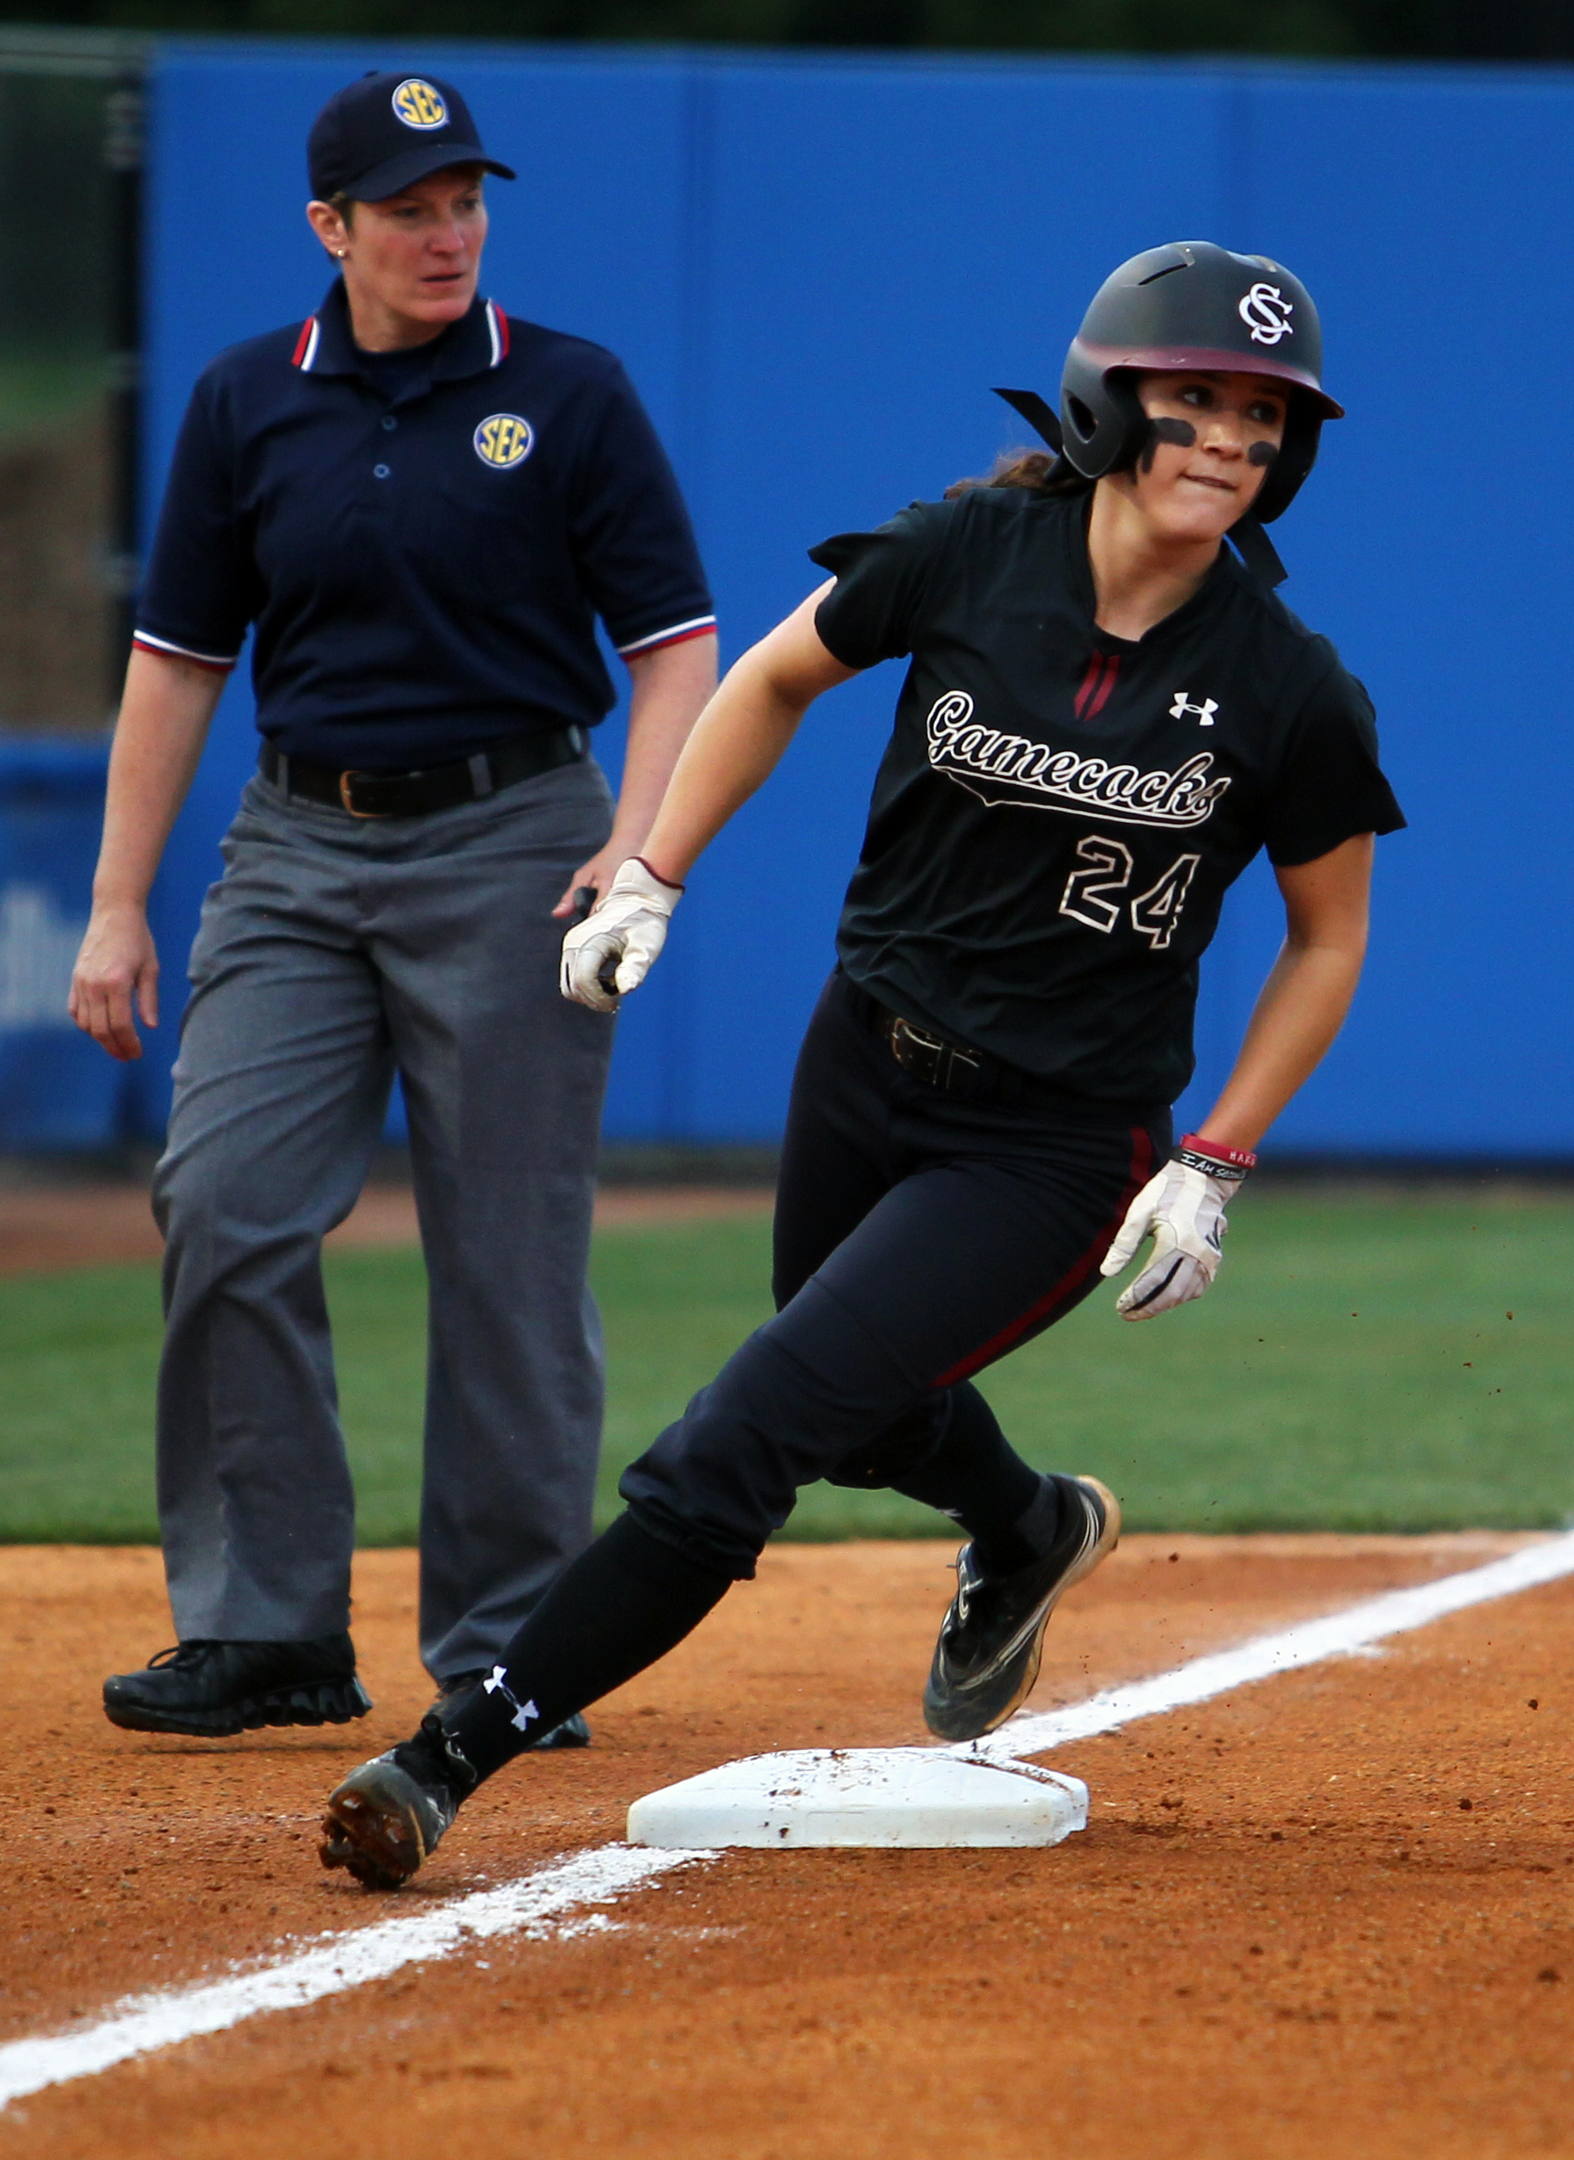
pixel 57 1089
pixel 815 269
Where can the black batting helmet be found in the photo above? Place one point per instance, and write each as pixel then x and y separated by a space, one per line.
pixel 1194 305
pixel 1190 305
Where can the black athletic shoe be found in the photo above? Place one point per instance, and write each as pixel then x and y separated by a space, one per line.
pixel 384 1822
pixel 211 1689
pixel 991 1640
pixel 573 1732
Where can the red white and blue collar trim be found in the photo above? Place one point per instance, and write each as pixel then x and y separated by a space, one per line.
pixel 306 345
pixel 309 344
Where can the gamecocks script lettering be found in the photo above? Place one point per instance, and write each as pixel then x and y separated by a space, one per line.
pixel 1009 769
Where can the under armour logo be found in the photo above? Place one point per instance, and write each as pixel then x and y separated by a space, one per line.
pixel 498 1685
pixel 1266 314
pixel 1203 713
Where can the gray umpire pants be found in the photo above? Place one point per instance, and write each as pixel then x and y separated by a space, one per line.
pixel 333 952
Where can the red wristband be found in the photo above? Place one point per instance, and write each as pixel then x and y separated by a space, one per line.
pixel 1236 1158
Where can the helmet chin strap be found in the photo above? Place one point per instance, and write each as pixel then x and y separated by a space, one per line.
pixel 1250 541
pixel 1039 416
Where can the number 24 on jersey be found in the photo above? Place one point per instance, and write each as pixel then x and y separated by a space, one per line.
pixel 1095 894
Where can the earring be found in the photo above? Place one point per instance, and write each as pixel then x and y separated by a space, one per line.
pixel 341 253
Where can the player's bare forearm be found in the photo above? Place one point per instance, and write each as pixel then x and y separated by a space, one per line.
pixel 1299 1012
pixel 740 739
pixel 1303 1004
pixel 164 717
pixel 669 691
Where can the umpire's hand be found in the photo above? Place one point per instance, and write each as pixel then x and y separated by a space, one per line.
pixel 613 949
pixel 116 980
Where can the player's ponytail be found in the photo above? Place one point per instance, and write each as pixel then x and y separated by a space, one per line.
pixel 1033 470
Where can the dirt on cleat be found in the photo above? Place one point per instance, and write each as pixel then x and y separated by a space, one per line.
pixel 381 1850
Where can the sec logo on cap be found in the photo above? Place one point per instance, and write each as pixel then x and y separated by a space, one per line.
pixel 420 104
pixel 504 439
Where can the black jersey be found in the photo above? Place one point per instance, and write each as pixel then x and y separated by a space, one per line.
pixel 1060 813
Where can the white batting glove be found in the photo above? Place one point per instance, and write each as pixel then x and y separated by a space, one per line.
pixel 1183 1210
pixel 614 948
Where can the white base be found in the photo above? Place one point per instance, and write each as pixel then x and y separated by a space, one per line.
pixel 863 1796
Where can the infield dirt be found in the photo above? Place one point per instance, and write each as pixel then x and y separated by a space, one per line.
pixel 1328 1915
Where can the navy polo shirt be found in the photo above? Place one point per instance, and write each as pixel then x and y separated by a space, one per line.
pixel 423 540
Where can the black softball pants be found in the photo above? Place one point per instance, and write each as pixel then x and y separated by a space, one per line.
pixel 919 1237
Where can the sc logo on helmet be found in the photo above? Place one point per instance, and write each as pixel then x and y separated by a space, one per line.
pixel 503 440
pixel 1266 314
pixel 420 104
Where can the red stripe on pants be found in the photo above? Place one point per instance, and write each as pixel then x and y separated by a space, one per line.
pixel 1141 1170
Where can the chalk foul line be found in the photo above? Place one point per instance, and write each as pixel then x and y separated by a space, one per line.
pixel 553 1901
pixel 1309 1642
pixel 144 2023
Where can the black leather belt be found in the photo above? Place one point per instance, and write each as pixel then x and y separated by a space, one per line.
pixel 956 1067
pixel 930 1058
pixel 436 787
pixel 976 1075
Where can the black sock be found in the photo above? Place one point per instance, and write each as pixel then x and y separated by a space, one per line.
pixel 624 1603
pixel 975 1476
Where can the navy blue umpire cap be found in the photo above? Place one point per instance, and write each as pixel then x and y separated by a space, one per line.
pixel 387 131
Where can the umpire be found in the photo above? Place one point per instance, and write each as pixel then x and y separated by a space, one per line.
pixel 419 507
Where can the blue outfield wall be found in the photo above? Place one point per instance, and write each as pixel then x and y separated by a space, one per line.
pixel 57 1089
pixel 814 270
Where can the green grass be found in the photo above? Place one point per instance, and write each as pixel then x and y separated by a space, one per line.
pixel 42 392
pixel 1355 1369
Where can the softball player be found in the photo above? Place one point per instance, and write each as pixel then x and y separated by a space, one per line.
pixel 1106 715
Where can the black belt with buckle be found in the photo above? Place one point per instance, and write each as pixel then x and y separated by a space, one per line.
pixel 955 1067
pixel 936 1062
pixel 436 787
pixel 977 1075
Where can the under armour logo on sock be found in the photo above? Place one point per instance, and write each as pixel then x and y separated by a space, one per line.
pixel 498 1685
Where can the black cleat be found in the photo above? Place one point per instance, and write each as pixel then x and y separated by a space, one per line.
pixel 386 1819
pixel 987 1657
pixel 213 1689
pixel 573 1732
